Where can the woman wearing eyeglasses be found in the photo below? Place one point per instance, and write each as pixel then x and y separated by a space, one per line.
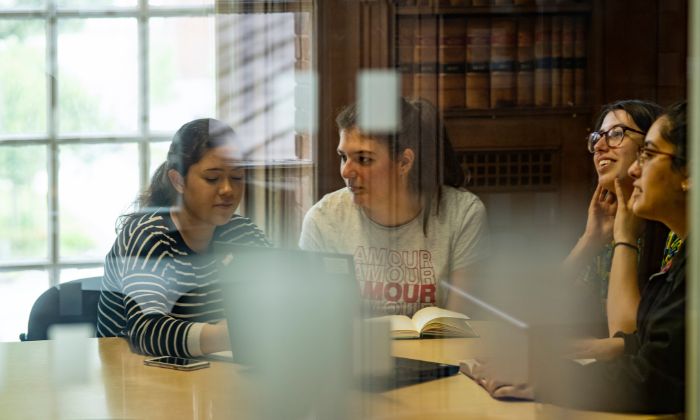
pixel 644 370
pixel 648 370
pixel 619 132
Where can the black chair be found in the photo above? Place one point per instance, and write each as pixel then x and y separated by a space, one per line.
pixel 73 302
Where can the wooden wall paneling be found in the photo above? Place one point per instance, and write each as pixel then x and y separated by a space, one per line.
pixel 630 49
pixel 672 51
pixel 377 30
pixel 643 50
pixel 563 133
pixel 352 35
pixel 577 178
pixel 339 57
pixel 517 132
pixel 595 64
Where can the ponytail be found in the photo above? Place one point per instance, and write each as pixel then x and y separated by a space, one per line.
pixel 160 192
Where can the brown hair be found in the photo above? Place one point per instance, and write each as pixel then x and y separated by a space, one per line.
pixel 643 113
pixel 422 131
pixel 674 130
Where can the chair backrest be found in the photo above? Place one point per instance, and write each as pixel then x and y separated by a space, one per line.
pixel 67 303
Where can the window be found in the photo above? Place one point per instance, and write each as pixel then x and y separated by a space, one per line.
pixel 92 90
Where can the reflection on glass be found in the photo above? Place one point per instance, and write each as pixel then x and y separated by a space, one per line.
pixel 79 273
pixel 94 4
pixel 257 80
pixel 181 71
pixel 24 4
pixel 181 2
pixel 159 152
pixel 97 89
pixel 98 183
pixel 23 101
pixel 23 212
pixel 19 291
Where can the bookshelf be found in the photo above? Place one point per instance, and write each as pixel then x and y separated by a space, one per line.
pixel 482 57
pixel 494 9
pixel 633 48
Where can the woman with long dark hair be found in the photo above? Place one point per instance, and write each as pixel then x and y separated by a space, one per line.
pixel 643 370
pixel 646 367
pixel 403 214
pixel 160 288
pixel 614 288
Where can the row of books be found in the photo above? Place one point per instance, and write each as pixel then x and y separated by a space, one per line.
pixel 476 3
pixel 493 62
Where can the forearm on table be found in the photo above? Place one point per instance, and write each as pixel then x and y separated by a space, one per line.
pixel 214 337
pixel 158 334
pixel 162 335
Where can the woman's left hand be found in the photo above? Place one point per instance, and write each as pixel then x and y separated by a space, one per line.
pixel 501 390
pixel 482 374
pixel 627 227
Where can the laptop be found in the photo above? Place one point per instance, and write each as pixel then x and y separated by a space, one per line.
pixel 285 299
pixel 298 313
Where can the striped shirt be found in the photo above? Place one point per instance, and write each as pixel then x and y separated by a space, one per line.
pixel 158 292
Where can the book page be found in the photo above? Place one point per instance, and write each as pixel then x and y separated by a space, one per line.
pixel 401 326
pixel 425 315
pixel 448 327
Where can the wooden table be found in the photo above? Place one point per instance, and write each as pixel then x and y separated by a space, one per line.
pixel 118 385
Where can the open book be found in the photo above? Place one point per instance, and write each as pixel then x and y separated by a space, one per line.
pixel 430 322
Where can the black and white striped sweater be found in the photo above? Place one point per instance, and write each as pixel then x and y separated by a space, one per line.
pixel 158 292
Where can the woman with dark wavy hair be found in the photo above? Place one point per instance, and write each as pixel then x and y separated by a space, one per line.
pixel 613 289
pixel 643 370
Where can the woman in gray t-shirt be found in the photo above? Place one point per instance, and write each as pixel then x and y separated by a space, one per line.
pixel 403 214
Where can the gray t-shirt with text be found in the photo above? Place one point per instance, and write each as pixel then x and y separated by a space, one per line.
pixel 399 269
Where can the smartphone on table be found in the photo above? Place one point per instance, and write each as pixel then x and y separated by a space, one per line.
pixel 177 363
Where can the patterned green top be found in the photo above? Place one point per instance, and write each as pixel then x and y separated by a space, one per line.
pixel 597 274
pixel 673 244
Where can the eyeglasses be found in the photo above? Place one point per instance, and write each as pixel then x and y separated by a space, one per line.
pixel 645 153
pixel 613 137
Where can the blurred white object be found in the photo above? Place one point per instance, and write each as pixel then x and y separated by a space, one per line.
pixel 70 353
pixel 372 347
pixel 305 101
pixel 378 103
